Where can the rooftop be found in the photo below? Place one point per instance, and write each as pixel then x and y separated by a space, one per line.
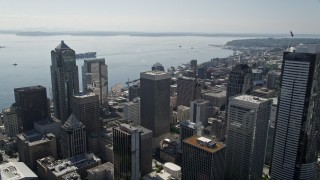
pixel 201 142
pixel 251 99
pixel 155 75
pixel 62 46
pixel 16 170
pixel 29 88
pixel 101 167
pixel 72 122
pixel 305 48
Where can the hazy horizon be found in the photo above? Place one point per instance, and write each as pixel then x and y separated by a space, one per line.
pixel 206 16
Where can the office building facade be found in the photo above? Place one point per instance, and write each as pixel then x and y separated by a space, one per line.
pixel 132 152
pixel 73 138
pixel 95 80
pixel 32 105
pixel 294 153
pixel 202 158
pixel 85 108
pixel 64 79
pixel 10 121
pixel 155 101
pixel 248 120
pixel 131 110
pixel 199 111
pixel 188 89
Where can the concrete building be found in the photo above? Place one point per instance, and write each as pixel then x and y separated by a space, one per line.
pixel 85 108
pixel 103 171
pixel 155 102
pixel 132 149
pixel 248 120
pixel 264 93
pixel 296 130
pixel 32 146
pixel 271 81
pixel 73 138
pixel 183 113
pixel 199 111
pixel 71 176
pixel 131 110
pixel 216 98
pixel 95 80
pixel 193 63
pixel 51 169
pixel 10 121
pixel 157 67
pixel 64 79
pixel 16 170
pixel 256 74
pixel 188 89
pixel 32 105
pixel 202 158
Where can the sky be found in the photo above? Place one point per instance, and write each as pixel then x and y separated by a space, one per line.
pixel 208 16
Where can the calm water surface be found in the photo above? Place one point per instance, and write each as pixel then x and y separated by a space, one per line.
pixel 126 57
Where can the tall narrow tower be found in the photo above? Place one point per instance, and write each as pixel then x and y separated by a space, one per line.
pixel 248 120
pixel 73 138
pixel 294 153
pixel 155 101
pixel 64 79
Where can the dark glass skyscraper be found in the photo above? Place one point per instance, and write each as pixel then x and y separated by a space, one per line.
pixel 294 153
pixel 32 105
pixel 64 79
pixel 155 101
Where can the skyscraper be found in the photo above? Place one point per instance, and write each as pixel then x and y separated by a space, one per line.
pixel 10 121
pixel 32 105
pixel 188 89
pixel 240 82
pixel 95 79
pixel 131 110
pixel 199 111
pixel 86 109
pixel 64 79
pixel 202 158
pixel 294 153
pixel 248 120
pixel 73 138
pixel 271 82
pixel 132 151
pixel 155 101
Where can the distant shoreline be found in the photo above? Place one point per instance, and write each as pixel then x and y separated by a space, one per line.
pixel 2 46
pixel 152 34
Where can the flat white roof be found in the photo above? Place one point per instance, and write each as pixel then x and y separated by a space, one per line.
pixel 16 170
pixel 249 98
pixel 172 166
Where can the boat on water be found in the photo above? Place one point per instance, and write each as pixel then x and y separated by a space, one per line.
pixel 86 55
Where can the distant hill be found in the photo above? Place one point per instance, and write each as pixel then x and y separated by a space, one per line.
pixel 272 42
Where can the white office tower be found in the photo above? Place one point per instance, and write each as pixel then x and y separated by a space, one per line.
pixel 10 121
pixel 294 153
pixel 131 110
pixel 199 111
pixel 248 120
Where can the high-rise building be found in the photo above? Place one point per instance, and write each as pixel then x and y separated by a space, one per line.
pixel 155 101
pixel 157 67
pixel 132 152
pixel 85 108
pixel 199 111
pixel 294 153
pixel 10 121
pixel 183 113
pixel 134 91
pixel 131 110
pixel 248 120
pixel 32 146
pixel 240 82
pixel 73 138
pixel 32 105
pixel 188 89
pixel 202 158
pixel 64 79
pixel 189 129
pixel 202 72
pixel 271 81
pixel 95 79
pixel 193 63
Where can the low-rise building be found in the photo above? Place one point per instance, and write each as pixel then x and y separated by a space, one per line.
pixel 16 170
pixel 103 171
